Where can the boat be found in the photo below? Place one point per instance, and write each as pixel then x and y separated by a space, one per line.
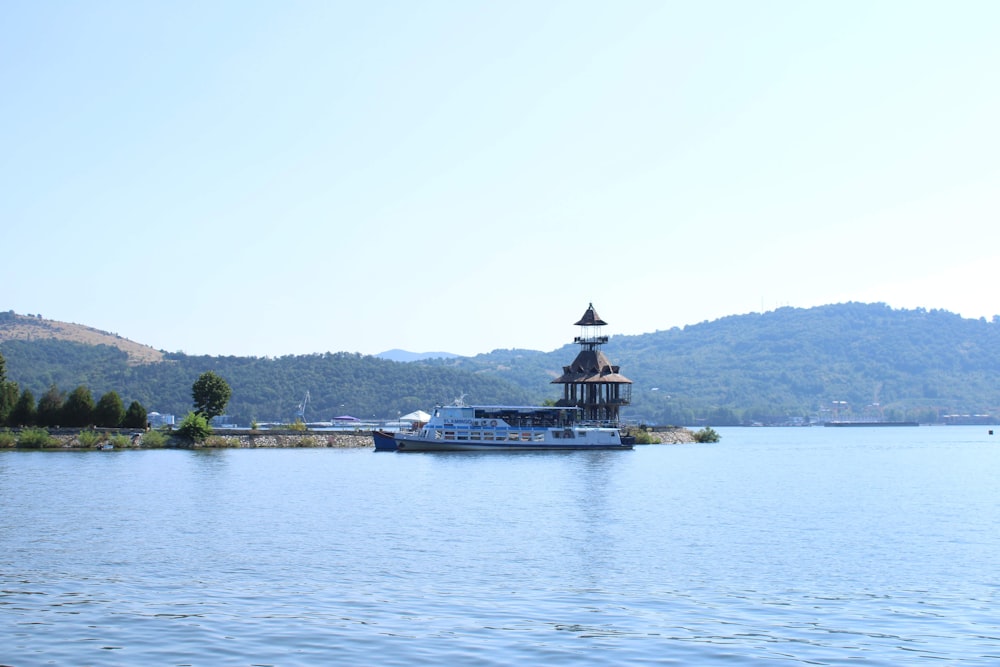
pixel 384 441
pixel 465 428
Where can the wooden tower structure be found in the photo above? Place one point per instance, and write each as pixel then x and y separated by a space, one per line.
pixel 591 382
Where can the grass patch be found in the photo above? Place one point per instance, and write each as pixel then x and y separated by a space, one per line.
pixel 90 438
pixel 644 436
pixel 35 438
pixel 154 439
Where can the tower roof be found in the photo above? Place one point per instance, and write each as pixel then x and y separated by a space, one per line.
pixel 591 318
pixel 591 366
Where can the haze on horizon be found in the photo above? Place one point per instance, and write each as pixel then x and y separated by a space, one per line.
pixel 271 178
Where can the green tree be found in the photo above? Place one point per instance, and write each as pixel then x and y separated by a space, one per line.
pixel 211 394
pixel 109 411
pixel 24 412
pixel 8 393
pixel 135 416
pixel 78 410
pixel 50 407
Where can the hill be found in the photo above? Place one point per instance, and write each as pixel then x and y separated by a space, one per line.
pixel 785 366
pixel 848 360
pixel 34 328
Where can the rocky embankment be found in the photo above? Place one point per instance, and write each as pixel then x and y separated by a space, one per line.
pixel 66 439
pixel 673 435
pixel 263 439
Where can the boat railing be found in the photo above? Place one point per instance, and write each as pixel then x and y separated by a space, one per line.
pixel 599 423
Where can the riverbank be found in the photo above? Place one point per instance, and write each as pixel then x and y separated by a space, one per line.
pixel 83 439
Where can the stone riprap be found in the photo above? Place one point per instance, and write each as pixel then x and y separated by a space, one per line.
pixel 70 439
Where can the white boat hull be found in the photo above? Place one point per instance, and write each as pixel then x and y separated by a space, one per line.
pixel 416 443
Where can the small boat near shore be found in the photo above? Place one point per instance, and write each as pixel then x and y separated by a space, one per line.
pixel 384 441
pixel 466 428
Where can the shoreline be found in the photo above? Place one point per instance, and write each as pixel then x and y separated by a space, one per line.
pixel 69 439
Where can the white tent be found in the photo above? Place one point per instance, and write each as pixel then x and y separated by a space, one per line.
pixel 417 416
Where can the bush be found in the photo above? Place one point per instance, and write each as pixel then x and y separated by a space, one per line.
pixel 7 439
pixel 644 437
pixel 120 441
pixel 90 438
pixel 154 439
pixel 35 438
pixel 707 434
pixel 194 427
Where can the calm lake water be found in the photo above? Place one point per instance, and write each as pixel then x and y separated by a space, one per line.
pixel 774 546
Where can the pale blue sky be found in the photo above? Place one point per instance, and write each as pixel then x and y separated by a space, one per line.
pixel 278 178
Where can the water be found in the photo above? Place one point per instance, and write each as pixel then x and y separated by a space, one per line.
pixel 774 546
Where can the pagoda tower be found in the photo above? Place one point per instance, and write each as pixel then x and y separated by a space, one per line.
pixel 591 382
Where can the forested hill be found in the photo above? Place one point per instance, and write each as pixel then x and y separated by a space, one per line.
pixel 872 360
pixel 263 389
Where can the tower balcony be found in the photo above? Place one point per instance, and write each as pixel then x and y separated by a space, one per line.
pixel 591 340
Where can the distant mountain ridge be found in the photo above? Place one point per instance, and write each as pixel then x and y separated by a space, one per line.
pixel 406 356
pixel 34 327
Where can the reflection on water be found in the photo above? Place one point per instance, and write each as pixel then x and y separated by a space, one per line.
pixel 773 546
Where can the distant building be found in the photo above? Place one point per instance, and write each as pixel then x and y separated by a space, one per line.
pixel 222 421
pixel 156 420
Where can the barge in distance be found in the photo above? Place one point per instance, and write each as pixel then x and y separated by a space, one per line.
pixel 870 423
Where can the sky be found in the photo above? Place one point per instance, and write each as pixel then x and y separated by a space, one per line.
pixel 297 177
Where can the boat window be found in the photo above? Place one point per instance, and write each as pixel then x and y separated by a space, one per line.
pixel 512 435
pixel 475 435
pixel 539 437
pixel 449 435
pixel 488 435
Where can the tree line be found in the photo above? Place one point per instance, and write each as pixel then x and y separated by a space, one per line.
pixel 266 389
pixel 18 408
pixel 54 408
